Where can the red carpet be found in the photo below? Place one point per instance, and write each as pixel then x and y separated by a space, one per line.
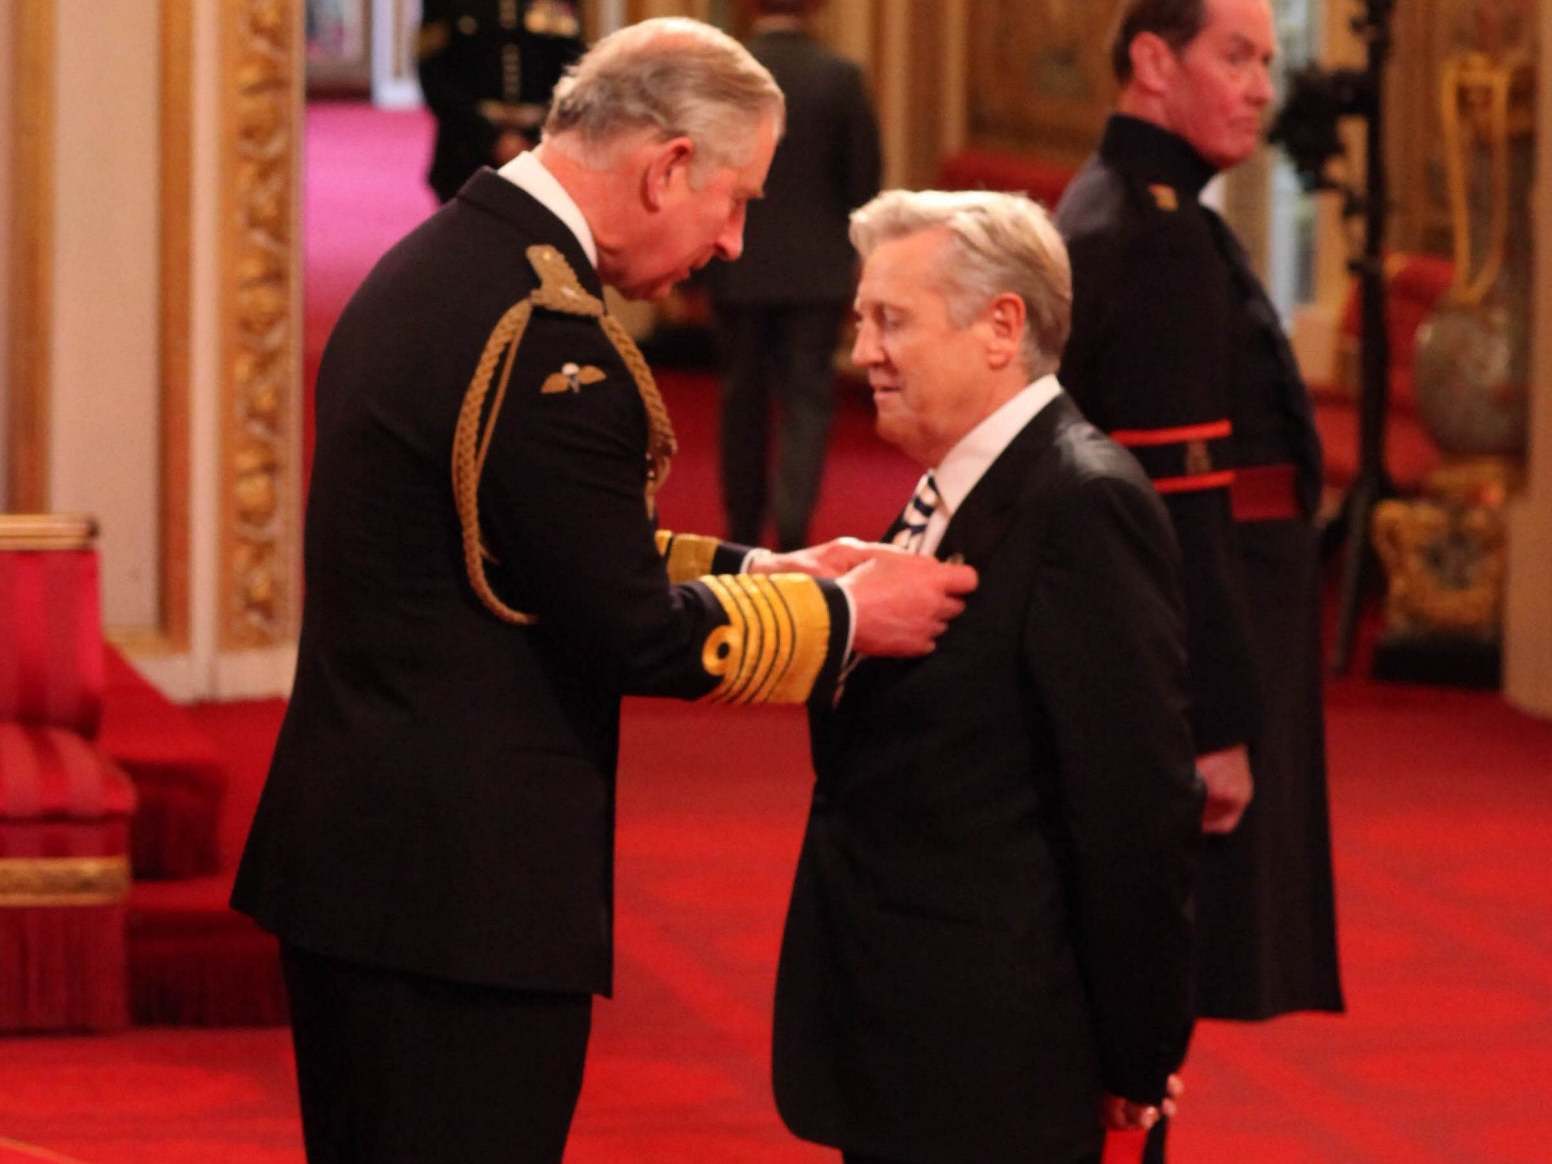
pixel 1442 803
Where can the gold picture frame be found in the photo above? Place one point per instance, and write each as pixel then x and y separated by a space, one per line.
pixel 1039 75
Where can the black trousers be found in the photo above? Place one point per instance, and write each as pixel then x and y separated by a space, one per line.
pixel 396 1068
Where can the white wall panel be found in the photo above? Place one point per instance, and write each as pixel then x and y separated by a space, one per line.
pixel 105 391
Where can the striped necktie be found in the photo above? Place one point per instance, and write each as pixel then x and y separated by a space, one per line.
pixel 914 517
pixel 917 513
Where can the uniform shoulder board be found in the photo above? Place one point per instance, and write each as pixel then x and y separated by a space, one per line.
pixel 558 288
pixel 1164 197
pixel 432 39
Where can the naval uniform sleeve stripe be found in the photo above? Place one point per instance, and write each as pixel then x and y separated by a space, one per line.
pixel 686 556
pixel 1223 479
pixel 789 640
pixel 1138 438
pixel 804 601
pixel 775 642
pixel 756 634
pixel 756 641
pixel 751 645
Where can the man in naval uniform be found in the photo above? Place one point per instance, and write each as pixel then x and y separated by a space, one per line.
pixel 484 581
pixel 487 68
pixel 1178 354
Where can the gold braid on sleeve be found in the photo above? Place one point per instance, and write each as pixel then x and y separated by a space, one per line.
pixel 686 556
pixel 560 291
pixel 773 646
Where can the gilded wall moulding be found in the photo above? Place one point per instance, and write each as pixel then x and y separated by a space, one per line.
pixel 261 145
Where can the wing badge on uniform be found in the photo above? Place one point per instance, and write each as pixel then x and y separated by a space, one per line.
pixel 571 377
pixel 1165 196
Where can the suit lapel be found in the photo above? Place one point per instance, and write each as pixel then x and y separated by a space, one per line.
pixel 982 519
pixel 974 533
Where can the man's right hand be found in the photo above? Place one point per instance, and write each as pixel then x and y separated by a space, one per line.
pixel 903 602
pixel 1229 788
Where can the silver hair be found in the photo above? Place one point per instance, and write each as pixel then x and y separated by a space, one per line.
pixel 673 76
pixel 997 243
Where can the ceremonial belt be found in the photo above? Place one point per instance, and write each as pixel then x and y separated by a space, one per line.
pixel 1188 459
pixel 1265 492
pixel 1181 459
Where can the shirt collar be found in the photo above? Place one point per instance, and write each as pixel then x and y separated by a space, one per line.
pixel 528 173
pixel 968 460
pixel 1154 153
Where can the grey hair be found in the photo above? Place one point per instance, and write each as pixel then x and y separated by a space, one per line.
pixel 676 77
pixel 997 243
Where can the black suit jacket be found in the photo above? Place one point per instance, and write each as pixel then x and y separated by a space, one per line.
pixel 991 916
pixel 827 164
pixel 441 798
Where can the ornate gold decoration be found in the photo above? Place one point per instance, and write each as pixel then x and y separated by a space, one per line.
pixel 1485 103
pixel 25 424
pixel 1039 74
pixel 176 248
pixel 260 340
pixel 775 641
pixel 559 291
pixel 1445 553
pixel 31 881
pixel 688 555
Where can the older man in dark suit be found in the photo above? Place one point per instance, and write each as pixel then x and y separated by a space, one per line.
pixel 780 308
pixel 434 846
pixel 987 951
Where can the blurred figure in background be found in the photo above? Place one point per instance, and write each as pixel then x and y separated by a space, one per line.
pixel 781 306
pixel 1177 352
pixel 487 68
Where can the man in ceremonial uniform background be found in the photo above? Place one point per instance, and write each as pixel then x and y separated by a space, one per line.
pixel 487 68
pixel 434 845
pixel 1178 354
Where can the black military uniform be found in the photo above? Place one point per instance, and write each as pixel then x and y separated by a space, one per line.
pixel 438 819
pixel 1177 353
pixel 487 66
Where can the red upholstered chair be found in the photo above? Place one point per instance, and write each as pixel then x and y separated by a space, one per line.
pixel 64 806
pixel 179 777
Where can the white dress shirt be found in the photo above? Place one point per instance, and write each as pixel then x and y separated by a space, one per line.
pixel 967 461
pixel 528 173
